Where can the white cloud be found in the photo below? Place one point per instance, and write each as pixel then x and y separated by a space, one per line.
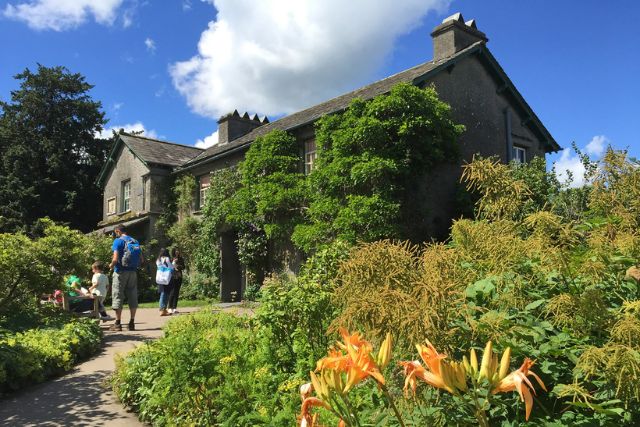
pixel 186 5
pixel 60 15
pixel 117 106
pixel 133 127
pixel 208 141
pixel 597 145
pixel 570 164
pixel 150 44
pixel 279 56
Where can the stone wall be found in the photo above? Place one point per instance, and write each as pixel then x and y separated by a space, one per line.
pixel 126 167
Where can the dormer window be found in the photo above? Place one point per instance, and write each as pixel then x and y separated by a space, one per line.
pixel 204 184
pixel 309 156
pixel 519 154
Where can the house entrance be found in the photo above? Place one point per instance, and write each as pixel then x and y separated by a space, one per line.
pixel 231 271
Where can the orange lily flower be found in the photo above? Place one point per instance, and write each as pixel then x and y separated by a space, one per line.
pixel 357 363
pixel 306 419
pixel 412 371
pixel 517 380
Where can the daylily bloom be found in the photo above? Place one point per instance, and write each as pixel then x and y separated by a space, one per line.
pixel 517 380
pixel 412 371
pixel 306 419
pixel 357 363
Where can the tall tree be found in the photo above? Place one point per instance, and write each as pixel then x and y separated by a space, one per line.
pixel 50 156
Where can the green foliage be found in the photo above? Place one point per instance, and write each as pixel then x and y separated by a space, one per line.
pixel 35 265
pixel 369 160
pixel 37 354
pixel 50 156
pixel 214 218
pixel 209 369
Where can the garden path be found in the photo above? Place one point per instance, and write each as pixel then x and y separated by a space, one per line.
pixel 80 397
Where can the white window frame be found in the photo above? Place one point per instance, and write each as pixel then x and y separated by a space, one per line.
pixel 114 210
pixel 519 154
pixel 203 188
pixel 126 195
pixel 310 156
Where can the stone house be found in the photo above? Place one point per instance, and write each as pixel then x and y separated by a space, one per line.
pixel 498 122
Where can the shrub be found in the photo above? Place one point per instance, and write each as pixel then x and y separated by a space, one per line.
pixel 209 369
pixel 37 354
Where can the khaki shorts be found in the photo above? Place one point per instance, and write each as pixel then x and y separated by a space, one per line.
pixel 124 284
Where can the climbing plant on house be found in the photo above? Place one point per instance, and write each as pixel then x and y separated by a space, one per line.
pixel 371 159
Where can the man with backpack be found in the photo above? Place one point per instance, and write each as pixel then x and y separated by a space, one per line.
pixel 127 257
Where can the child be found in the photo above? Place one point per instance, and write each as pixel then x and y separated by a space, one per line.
pixel 99 284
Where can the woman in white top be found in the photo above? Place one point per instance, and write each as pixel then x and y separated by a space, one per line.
pixel 163 279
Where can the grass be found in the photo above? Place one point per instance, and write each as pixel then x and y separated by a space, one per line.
pixel 181 303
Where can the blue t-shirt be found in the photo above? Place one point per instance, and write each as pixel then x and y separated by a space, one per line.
pixel 118 245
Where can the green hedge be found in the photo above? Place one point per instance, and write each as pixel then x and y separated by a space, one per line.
pixel 37 354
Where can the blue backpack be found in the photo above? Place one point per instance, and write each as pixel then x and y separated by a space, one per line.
pixel 132 253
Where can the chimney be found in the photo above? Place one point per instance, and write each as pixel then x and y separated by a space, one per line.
pixel 232 126
pixel 453 35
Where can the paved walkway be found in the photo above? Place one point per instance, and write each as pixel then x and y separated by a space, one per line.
pixel 79 398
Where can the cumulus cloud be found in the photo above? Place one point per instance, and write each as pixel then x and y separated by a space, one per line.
pixel 60 15
pixel 208 141
pixel 150 44
pixel 280 56
pixel 597 145
pixel 130 127
pixel 570 166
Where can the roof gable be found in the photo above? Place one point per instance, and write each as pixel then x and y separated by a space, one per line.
pixel 151 152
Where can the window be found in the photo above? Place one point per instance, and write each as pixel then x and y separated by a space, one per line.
pixel 111 206
pixel 205 182
pixel 126 195
pixel 145 180
pixel 309 156
pixel 519 154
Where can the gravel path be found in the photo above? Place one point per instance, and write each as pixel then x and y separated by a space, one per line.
pixel 79 398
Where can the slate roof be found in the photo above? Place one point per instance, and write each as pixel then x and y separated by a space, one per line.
pixel 157 152
pixel 412 75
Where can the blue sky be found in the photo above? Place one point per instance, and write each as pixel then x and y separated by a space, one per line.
pixel 160 64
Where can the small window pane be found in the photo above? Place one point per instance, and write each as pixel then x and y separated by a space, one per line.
pixel 519 155
pixel 111 206
pixel 310 156
pixel 205 183
pixel 126 195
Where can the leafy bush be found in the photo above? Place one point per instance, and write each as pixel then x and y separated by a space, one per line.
pixel 32 265
pixel 209 369
pixel 37 354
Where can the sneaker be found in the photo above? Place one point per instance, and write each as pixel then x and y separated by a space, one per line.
pixel 164 313
pixel 115 327
pixel 131 326
pixel 106 318
pixel 175 311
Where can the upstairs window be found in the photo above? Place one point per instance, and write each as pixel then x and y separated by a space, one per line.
pixel 205 183
pixel 126 195
pixel 309 156
pixel 145 181
pixel 519 154
pixel 111 206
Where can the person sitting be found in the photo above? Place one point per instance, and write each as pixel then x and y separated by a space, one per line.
pixel 80 300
